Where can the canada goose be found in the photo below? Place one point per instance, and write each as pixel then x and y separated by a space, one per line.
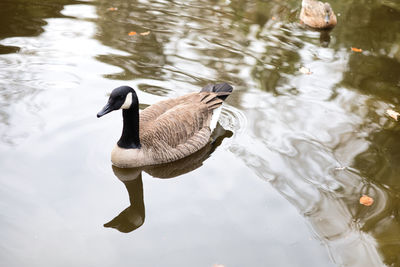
pixel 317 15
pixel 166 131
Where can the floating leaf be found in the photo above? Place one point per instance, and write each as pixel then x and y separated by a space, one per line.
pixel 358 50
pixel 112 9
pixel 305 70
pixel 132 33
pixel 145 33
pixel 393 114
pixel 273 18
pixel 341 168
pixel 366 200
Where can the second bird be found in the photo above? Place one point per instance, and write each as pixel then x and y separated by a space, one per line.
pixel 317 15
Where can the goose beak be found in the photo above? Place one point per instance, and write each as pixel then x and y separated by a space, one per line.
pixel 107 109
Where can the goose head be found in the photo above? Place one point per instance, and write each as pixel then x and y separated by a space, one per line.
pixel 123 97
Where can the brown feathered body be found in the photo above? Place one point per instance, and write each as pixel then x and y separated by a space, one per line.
pixel 170 130
pixel 313 14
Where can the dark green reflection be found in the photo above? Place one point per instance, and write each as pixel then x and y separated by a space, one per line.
pixel 27 18
pixel 380 165
pixel 219 41
pixel 372 26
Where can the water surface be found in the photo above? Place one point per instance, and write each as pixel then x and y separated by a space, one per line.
pixel 279 187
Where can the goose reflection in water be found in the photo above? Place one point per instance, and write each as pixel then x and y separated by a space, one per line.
pixel 133 216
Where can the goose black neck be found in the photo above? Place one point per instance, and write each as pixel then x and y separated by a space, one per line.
pixel 130 130
pixel 135 191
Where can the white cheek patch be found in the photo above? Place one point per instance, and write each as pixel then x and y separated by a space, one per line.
pixel 128 101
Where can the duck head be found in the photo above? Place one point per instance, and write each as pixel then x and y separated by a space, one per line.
pixel 123 97
pixel 327 13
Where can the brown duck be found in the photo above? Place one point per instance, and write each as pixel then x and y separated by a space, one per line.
pixel 317 15
pixel 166 131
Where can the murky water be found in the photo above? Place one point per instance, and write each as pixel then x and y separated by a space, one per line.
pixel 281 184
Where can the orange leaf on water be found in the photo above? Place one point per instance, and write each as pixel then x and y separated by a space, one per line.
pixel 273 18
pixel 358 50
pixel 132 33
pixel 113 9
pixel 366 200
pixel 145 33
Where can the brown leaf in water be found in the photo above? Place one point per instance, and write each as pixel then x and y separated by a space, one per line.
pixel 273 18
pixel 305 70
pixel 112 9
pixel 366 200
pixel 145 33
pixel 358 50
pixel 132 33
pixel 393 114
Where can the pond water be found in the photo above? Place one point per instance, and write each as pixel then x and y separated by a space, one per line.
pixel 281 184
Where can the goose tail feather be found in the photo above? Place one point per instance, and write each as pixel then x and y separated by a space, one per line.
pixel 223 90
